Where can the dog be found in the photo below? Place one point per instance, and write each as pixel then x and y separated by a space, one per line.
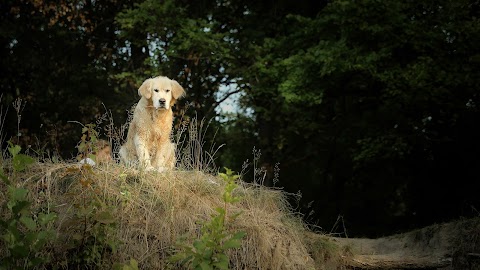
pixel 149 133
pixel 102 152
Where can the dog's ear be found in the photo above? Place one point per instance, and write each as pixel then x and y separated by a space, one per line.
pixel 177 91
pixel 145 90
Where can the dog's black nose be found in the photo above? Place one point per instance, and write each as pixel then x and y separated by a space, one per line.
pixel 162 101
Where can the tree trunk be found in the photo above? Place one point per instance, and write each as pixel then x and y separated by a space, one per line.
pixel 449 246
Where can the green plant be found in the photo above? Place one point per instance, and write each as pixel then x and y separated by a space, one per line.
pixel 132 265
pixel 209 251
pixel 92 226
pixel 23 234
pixel 87 145
pixel 92 237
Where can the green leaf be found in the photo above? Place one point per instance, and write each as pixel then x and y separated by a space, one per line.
pixel 4 177
pixel 133 264
pixel 220 210
pixel 28 222
pixel 112 243
pixel 235 215
pixel 44 235
pixel 223 261
pixel 231 243
pixel 20 207
pixel 182 258
pixel 239 235
pixel 21 161
pixel 18 194
pixel 205 266
pixel 8 238
pixel 36 261
pixel 93 157
pixel 34 240
pixel 209 252
pixel 14 149
pixel 44 219
pixel 39 244
pixel 105 217
pixel 199 245
pixel 19 251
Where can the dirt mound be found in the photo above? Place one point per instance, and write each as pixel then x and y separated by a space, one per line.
pixel 130 214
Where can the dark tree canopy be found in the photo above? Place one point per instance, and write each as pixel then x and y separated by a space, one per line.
pixel 368 108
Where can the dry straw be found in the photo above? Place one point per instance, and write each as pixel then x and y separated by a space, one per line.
pixel 154 210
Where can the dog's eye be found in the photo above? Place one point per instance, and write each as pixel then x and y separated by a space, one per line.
pixel 167 90
pixel 156 90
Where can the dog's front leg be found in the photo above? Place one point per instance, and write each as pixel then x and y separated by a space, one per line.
pixel 142 152
pixel 165 156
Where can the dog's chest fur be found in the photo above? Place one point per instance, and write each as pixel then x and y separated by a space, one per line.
pixel 161 125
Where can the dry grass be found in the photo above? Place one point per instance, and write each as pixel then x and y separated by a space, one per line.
pixel 154 210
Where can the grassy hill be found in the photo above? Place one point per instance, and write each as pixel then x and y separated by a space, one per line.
pixel 108 215
pixel 66 215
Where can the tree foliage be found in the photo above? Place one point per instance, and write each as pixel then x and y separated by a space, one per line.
pixel 58 57
pixel 187 41
pixel 370 107
pixel 378 100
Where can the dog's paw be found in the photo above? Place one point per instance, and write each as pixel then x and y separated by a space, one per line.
pixel 149 168
pixel 161 169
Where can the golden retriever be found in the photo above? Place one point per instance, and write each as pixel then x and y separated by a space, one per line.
pixel 148 139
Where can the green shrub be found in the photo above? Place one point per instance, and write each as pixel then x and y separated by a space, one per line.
pixel 209 251
pixel 23 234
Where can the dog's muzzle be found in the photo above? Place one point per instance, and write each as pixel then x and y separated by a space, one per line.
pixel 161 103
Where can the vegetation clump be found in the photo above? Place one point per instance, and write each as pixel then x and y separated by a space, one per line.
pixel 112 216
pixel 209 251
pixel 24 234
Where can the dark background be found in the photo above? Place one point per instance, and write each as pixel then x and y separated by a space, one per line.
pixel 369 109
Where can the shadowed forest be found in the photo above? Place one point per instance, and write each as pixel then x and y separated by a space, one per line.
pixel 369 110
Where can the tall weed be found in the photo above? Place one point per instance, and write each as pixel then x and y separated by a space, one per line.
pixel 190 139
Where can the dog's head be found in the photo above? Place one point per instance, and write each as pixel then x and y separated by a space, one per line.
pixel 162 91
